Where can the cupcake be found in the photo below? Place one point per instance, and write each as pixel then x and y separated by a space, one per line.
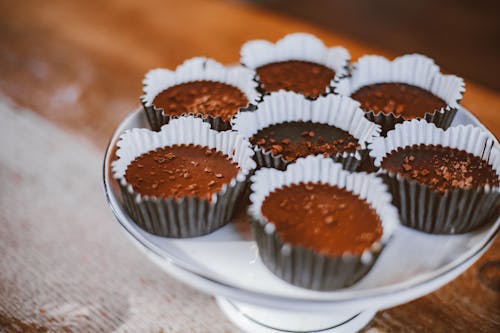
pixel 318 226
pixel 286 126
pixel 442 181
pixel 409 87
pixel 299 62
pixel 184 180
pixel 200 87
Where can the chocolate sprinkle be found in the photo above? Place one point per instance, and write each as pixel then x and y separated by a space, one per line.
pixel 184 175
pixel 322 217
pixel 441 168
pixel 399 98
pixel 299 139
pixel 201 97
pixel 307 78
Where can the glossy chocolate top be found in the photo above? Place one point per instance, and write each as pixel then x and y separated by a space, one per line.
pixel 201 97
pixel 298 139
pixel 307 78
pixel 399 98
pixel 179 171
pixel 324 218
pixel 442 168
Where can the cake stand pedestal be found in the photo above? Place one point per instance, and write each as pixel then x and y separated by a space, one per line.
pixel 251 318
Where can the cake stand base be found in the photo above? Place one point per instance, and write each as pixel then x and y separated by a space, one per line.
pixel 256 319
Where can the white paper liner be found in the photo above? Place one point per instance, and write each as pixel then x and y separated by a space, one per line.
pixel 197 69
pixel 184 130
pixel 469 138
pixel 283 258
pixel 285 106
pixel 414 69
pixel 296 46
pixel 458 210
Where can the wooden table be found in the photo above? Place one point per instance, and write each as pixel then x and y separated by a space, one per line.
pixel 80 64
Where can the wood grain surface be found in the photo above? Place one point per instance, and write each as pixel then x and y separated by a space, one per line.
pixel 80 64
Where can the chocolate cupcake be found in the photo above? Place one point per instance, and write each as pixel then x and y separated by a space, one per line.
pixel 443 182
pixel 200 87
pixel 318 226
pixel 409 87
pixel 184 180
pixel 298 62
pixel 286 126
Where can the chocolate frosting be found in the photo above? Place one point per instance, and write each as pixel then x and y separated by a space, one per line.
pixel 307 78
pixel 298 139
pixel 212 98
pixel 441 168
pixel 399 98
pixel 324 218
pixel 179 171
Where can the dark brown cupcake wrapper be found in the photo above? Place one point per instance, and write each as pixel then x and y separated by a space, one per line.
pixel 458 211
pixel 266 159
pixel 330 89
pixel 192 70
pixel 283 107
pixel 157 118
pixel 367 163
pixel 305 268
pixel 185 217
pixel 420 207
pixel 413 69
pixel 441 118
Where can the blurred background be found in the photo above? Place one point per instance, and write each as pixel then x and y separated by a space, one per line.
pixel 464 36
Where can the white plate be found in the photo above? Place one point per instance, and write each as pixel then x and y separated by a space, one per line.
pixel 226 262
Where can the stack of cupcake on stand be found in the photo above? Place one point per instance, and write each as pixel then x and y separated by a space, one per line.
pixel 333 161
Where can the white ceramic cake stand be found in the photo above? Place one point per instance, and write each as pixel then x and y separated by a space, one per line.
pixel 226 264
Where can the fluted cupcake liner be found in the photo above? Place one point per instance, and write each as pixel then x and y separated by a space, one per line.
pixel 286 106
pixel 302 266
pixel 413 69
pixel 420 207
pixel 195 69
pixel 187 216
pixel 458 211
pixel 297 46
pixel 266 159
pixel 441 119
